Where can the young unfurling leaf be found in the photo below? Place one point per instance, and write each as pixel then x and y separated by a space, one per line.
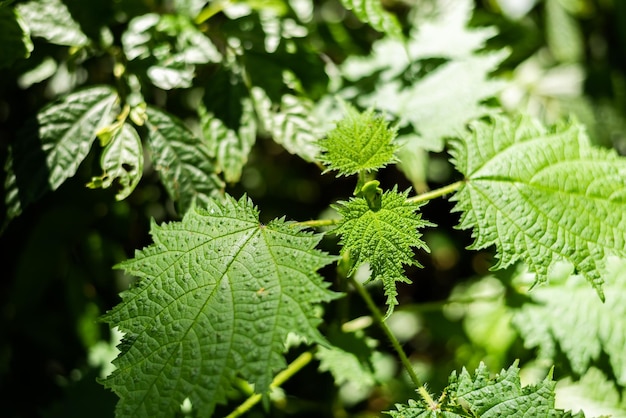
pixel 385 238
pixel 361 142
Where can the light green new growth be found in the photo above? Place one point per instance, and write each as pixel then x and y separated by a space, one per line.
pixel 384 238
pixel 542 196
pixel 361 142
pixel 488 397
pixel 217 295
pixel 372 12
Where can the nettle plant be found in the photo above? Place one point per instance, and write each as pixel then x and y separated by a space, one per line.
pixel 221 297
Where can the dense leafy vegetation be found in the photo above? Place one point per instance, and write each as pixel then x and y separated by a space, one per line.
pixel 313 208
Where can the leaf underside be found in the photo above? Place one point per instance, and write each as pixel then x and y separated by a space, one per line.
pixel 218 294
pixel 487 397
pixel 542 196
pixel 385 239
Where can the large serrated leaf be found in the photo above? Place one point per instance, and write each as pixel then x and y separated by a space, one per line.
pixel 217 296
pixel 52 146
pixel 16 43
pixel 182 160
pixel 488 397
pixel 51 20
pixel 568 315
pixel 384 238
pixel 542 195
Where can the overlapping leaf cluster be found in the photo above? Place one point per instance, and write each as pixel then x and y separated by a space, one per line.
pixel 488 397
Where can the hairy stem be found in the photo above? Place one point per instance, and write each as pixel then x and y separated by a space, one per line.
pixel 378 318
pixel 436 193
pixel 293 368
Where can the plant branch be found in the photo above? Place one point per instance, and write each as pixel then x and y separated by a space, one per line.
pixel 319 222
pixel 293 368
pixel 378 318
pixel 436 193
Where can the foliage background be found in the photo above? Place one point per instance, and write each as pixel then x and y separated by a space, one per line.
pixel 57 256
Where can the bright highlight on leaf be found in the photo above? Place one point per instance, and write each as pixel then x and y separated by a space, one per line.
pixel 566 314
pixel 360 142
pixel 372 12
pixel 384 238
pixel 487 397
pixel 542 196
pixel 218 294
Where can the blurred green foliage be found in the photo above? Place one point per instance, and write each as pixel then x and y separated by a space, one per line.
pixel 566 57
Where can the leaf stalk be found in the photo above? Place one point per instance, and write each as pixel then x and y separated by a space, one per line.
pixel 293 368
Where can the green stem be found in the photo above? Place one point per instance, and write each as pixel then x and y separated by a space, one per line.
pixel 378 318
pixel 212 9
pixel 436 193
pixel 319 222
pixel 293 368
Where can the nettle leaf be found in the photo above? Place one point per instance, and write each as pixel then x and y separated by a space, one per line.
pixel 542 196
pixel 52 146
pixel 359 142
pixel 373 13
pixel 51 20
pixel 384 238
pixel 488 397
pixel 217 295
pixel 182 160
pixel 121 161
pixel 16 42
pixel 566 313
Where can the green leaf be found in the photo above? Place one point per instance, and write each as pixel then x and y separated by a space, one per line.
pixel 567 314
pixel 121 161
pixel 182 160
pixel 372 12
pixel 170 46
pixel 593 393
pixel 488 397
pixel 385 239
pixel 52 146
pixel 350 358
pixel 16 43
pixel 292 125
pixel 230 147
pixel 51 20
pixel 218 294
pixel 361 142
pixel 541 196
pixel 563 35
